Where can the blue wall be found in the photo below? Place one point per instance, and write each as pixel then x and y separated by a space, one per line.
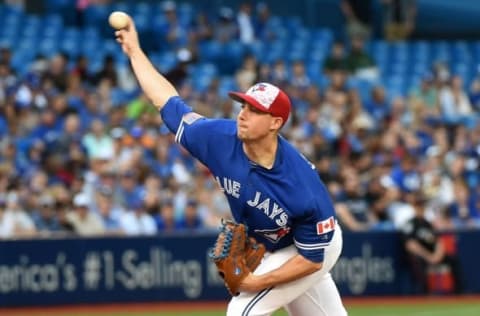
pixel 177 268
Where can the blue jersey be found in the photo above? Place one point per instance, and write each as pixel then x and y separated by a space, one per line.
pixel 283 205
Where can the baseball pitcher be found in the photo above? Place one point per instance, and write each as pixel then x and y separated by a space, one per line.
pixel 273 191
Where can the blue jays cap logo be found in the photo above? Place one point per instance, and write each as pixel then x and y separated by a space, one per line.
pixel 259 87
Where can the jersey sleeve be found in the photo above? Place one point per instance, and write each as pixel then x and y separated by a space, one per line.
pixel 173 112
pixel 193 131
pixel 312 236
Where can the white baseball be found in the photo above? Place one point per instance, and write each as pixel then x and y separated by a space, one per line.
pixel 118 20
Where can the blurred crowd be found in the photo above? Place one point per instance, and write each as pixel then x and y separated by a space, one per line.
pixel 72 161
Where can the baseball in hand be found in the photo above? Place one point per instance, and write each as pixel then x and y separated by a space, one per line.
pixel 118 20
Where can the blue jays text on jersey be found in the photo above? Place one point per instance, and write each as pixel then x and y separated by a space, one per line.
pixel 283 205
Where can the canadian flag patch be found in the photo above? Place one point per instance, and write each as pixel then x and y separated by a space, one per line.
pixel 326 226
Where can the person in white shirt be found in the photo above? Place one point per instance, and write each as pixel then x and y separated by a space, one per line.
pixel 14 221
pixel 84 221
pixel 137 221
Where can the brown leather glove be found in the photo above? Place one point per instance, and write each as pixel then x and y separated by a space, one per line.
pixel 229 255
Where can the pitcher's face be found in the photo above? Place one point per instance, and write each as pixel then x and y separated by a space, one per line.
pixel 253 124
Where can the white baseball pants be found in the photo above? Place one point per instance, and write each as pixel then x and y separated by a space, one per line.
pixel 313 295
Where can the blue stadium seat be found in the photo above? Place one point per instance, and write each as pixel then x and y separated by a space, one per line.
pixel 185 13
pixel 90 47
pixel 297 55
pixel 226 84
pixel 165 61
pixel 234 50
pixel 70 47
pixel 258 49
pixel 398 68
pixel 210 51
pixel 201 83
pixel 56 6
pixel 122 6
pixel 317 55
pixel 48 47
pixel 275 22
pixel 90 33
pixel 204 69
pixel 142 7
pixel 97 15
pixel 27 45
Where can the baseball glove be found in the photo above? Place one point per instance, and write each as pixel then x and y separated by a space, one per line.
pixel 254 252
pixel 228 254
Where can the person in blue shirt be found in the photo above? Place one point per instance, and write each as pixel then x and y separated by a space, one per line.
pixel 269 185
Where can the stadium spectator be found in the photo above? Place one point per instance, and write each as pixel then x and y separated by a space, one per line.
pixel 352 207
pixel 454 103
pixel 425 251
pixel 262 20
pixel 16 222
pixel 81 70
pixel 44 217
pixel 108 211
pixel 360 63
pixel 107 72
pixel 98 143
pixel 57 73
pixel 227 28
pixel 191 219
pixel 299 77
pixel 82 219
pixel 165 218
pixel 171 31
pixel 426 93
pixel 247 74
pixel 473 93
pixel 46 106
pixel 336 61
pixel 246 29
pixel 358 18
pixel 202 28
pixel 399 19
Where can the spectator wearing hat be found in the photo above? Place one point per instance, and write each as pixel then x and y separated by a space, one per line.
pixel 45 217
pixel 227 28
pixel 165 218
pixel 425 250
pixel 180 72
pixel 171 31
pixel 135 221
pixel 191 220
pixel 110 214
pixel 15 221
pixel 84 221
pixel 129 189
